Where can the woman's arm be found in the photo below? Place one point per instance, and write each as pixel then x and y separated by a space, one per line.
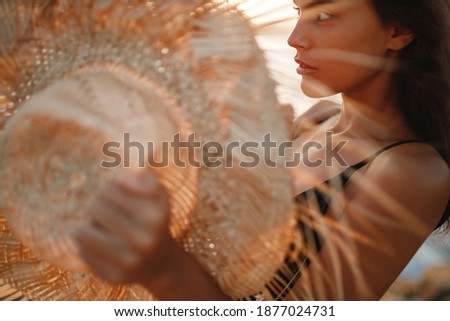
pixel 128 241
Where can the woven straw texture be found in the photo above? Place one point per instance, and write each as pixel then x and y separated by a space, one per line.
pixel 76 75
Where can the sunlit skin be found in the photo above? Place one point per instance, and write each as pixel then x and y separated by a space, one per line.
pixel 407 186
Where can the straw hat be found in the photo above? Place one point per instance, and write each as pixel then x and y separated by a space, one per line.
pixel 81 75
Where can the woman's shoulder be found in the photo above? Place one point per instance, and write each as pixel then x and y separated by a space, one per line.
pixel 416 160
pixel 416 176
pixel 395 203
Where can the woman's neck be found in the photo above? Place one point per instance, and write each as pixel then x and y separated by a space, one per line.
pixel 367 114
pixel 359 121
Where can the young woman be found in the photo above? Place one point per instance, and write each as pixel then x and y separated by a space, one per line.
pixel 374 187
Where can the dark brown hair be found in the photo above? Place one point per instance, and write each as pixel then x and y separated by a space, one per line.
pixel 421 85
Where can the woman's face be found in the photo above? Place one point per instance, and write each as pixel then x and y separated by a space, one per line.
pixel 339 44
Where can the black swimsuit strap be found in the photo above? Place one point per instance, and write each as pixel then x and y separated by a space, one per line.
pixel 371 158
pixel 347 173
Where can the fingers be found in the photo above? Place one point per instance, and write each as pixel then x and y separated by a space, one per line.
pixel 323 110
pixel 288 110
pixel 133 207
pixel 141 182
pixel 129 229
pixel 95 249
pixel 115 217
pixel 315 115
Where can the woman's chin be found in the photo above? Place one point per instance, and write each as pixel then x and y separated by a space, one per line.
pixel 315 89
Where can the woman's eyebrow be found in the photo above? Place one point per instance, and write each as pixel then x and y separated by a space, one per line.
pixel 312 3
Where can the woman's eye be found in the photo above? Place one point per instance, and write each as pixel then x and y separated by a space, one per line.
pixel 298 10
pixel 323 16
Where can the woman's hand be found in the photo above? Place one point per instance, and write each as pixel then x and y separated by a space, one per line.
pixel 315 115
pixel 128 241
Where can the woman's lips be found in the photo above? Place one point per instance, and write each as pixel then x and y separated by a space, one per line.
pixel 304 69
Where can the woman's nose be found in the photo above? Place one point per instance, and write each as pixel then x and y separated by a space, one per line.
pixel 298 39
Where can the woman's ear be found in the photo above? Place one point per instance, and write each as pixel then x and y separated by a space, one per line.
pixel 399 37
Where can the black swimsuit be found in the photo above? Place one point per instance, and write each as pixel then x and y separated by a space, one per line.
pixel 311 242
